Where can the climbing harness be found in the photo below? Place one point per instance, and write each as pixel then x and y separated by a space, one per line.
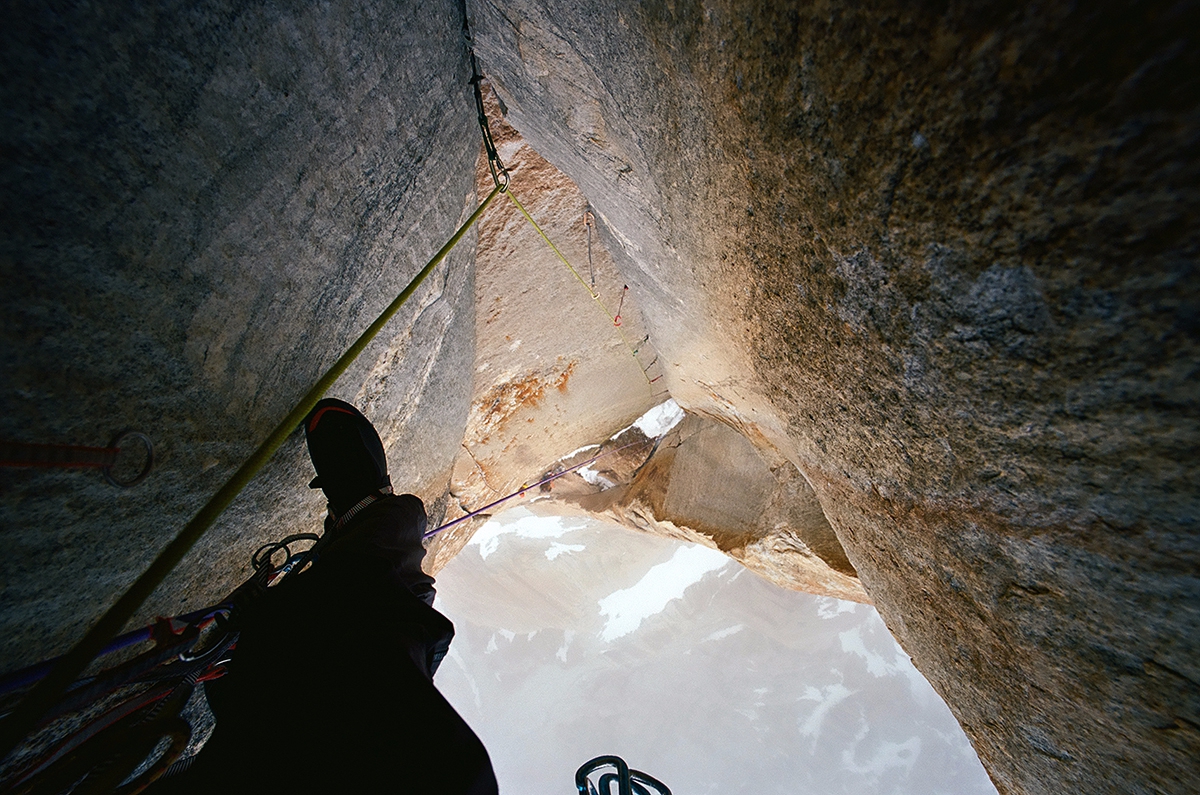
pixel 152 688
pixel 629 782
pixel 143 697
pixel 70 456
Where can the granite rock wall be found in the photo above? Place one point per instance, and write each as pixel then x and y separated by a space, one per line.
pixel 942 257
pixel 203 204
pixel 934 262
pixel 551 371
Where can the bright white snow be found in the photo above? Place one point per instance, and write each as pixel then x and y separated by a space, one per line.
pixel 527 525
pixel 725 633
pixel 693 669
pixel 660 419
pixel 595 478
pixel 557 549
pixel 627 608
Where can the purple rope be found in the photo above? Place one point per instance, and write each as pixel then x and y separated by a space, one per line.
pixel 524 489
pixel 33 673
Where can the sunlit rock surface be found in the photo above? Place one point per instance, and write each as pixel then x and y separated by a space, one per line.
pixel 942 258
pixel 554 373
pixel 701 481
pixel 577 638
pixel 551 372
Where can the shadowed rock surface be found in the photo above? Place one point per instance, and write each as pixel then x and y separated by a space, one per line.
pixel 933 264
pixel 203 205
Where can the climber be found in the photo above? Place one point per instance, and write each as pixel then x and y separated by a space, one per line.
pixel 330 687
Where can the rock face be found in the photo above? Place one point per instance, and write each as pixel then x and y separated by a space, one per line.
pixel 203 205
pixel 551 373
pixel 554 373
pixel 923 275
pixel 710 482
pixel 704 482
pixel 942 259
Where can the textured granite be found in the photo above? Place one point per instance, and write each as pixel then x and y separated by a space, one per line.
pixel 551 371
pixel 938 258
pixel 202 205
pixel 942 258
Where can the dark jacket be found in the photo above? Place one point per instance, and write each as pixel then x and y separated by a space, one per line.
pixel 330 687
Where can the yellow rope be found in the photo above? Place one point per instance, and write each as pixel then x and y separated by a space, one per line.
pixel 595 296
pixel 26 714
pixel 43 696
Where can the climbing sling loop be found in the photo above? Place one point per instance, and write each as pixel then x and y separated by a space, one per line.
pixel 17 725
pixel 69 456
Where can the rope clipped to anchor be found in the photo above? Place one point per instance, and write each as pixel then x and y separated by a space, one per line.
pixel 614 318
pixel 501 177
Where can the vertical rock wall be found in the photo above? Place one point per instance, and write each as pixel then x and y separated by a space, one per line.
pixel 706 482
pixel 942 257
pixel 203 204
pixel 551 371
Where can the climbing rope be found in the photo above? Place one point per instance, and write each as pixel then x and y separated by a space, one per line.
pixel 155 685
pixel 614 318
pixel 266 571
pixel 47 691
pixel 142 697
pixel 51 684
pixel 500 177
pixel 541 482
